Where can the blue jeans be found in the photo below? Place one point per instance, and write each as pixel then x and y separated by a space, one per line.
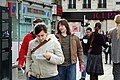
pixel 50 78
pixel 67 72
pixel 83 75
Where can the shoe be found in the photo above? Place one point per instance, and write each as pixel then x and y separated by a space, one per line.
pixel 82 79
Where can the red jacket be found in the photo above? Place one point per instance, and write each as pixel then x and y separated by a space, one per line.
pixel 24 48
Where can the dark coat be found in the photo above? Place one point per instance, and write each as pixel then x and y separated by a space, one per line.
pixel 97 43
pixel 85 45
pixel 94 64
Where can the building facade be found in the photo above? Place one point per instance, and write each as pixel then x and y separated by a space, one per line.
pixel 23 14
pixel 56 13
pixel 92 11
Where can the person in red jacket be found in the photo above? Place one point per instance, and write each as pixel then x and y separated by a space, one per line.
pixel 24 46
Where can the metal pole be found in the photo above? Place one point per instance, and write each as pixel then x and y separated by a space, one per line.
pixel 84 19
pixel 19 4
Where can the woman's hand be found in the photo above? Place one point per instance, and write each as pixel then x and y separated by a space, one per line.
pixel 81 68
pixel 47 55
pixel 28 73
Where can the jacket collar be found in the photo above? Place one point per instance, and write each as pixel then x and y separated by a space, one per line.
pixel 47 38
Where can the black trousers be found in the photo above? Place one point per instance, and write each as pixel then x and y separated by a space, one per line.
pixel 93 77
pixel 106 57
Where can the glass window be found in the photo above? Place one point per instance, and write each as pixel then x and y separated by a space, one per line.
pixel 72 4
pixel 86 3
pixel 102 4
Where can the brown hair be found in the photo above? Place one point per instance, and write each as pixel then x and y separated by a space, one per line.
pixel 98 27
pixel 37 20
pixel 65 23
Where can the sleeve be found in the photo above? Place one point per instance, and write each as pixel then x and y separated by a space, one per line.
pixel 103 42
pixel 24 48
pixel 57 57
pixel 80 52
pixel 28 59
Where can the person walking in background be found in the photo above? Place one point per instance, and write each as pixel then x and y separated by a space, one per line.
pixel 115 48
pixel 24 47
pixel 85 46
pixel 107 50
pixel 42 61
pixel 72 49
pixel 95 64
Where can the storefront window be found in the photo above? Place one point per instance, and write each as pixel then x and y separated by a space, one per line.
pixel 48 24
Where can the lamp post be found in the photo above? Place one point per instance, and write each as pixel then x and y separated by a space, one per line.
pixel 18 16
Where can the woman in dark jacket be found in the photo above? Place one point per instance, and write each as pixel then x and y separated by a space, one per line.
pixel 94 64
pixel 107 50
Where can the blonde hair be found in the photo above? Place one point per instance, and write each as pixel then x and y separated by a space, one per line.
pixel 117 21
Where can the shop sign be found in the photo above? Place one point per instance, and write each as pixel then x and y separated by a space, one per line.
pixel 77 16
pixel 35 11
pixel 59 10
pixel 104 15
pixel 14 8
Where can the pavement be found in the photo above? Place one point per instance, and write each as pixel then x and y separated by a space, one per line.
pixel 21 75
pixel 107 73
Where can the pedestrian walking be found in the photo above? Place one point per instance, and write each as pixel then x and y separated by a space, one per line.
pixel 44 54
pixel 85 46
pixel 72 49
pixel 115 48
pixel 24 46
pixel 107 50
pixel 95 64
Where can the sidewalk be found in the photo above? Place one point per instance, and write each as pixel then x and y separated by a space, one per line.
pixel 107 72
pixel 21 76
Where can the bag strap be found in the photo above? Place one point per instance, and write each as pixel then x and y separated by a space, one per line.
pixel 41 44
